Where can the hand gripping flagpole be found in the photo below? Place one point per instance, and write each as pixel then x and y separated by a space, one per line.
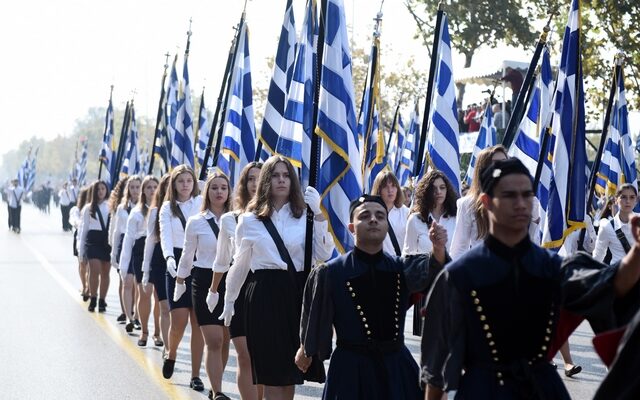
pixel 160 113
pixel 427 104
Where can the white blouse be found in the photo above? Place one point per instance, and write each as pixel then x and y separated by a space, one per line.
pixel 90 223
pixel 398 222
pixel 136 228
pixel 226 243
pixel 119 228
pixel 256 249
pixel 570 245
pixel 199 241
pixel 171 230
pixel 417 238
pixel 465 234
pixel 74 217
pixel 152 239
pixel 607 239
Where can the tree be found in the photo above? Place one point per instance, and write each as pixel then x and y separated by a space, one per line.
pixel 474 23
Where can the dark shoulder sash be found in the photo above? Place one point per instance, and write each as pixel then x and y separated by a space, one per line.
pixel 214 226
pixel 394 241
pixel 181 217
pixel 282 249
pixel 101 219
pixel 621 237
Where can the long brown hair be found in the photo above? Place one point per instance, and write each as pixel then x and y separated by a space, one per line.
pixel 484 160
pixel 116 195
pixel 206 203
pixel 384 177
pixel 82 197
pixel 423 200
pixel 142 203
pixel 158 199
pixel 95 202
pixel 172 195
pixel 262 204
pixel 126 197
pixel 242 196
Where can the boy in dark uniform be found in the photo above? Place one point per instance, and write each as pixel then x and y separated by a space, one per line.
pixel 500 311
pixel 364 295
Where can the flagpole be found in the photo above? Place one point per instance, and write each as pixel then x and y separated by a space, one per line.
pixel 105 131
pixel 235 45
pixel 195 135
pixel 160 113
pixel 393 126
pixel 115 176
pixel 518 108
pixel 427 104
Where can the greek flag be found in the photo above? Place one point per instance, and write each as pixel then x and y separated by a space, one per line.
pixel 172 107
pixel 131 163
pixel 162 145
pixel 396 143
pixel 486 138
pixel 31 172
pixel 442 138
pixel 294 141
pixel 526 147
pixel 203 133
pixel 107 153
pixel 545 180
pixel 404 171
pixel 280 82
pixel 182 148
pixel 23 172
pixel 81 166
pixel 567 191
pixel 144 162
pixel 340 178
pixel 239 137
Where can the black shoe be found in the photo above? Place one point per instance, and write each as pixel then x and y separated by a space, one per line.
pixel 102 305
pixel 129 327
pixel 167 368
pixel 136 324
pixel 220 396
pixel 575 370
pixel 143 342
pixel 157 341
pixel 85 296
pixel 196 384
pixel 92 304
pixel 122 318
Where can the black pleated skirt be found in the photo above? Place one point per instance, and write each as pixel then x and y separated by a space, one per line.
pixel 185 300
pixel 238 326
pixel 137 255
pixel 200 284
pixel 98 245
pixel 75 242
pixel 273 324
pixel 158 269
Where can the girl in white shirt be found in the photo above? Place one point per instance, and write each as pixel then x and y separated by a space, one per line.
pixel 154 269
pixel 274 292
pixel 114 201
pixel 94 244
pixel 626 200
pixel 75 221
pixel 472 224
pixel 386 185
pixel 244 192
pixel 182 202
pixel 132 255
pixel 201 238
pixel 129 200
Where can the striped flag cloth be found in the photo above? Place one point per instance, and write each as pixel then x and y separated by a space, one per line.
pixel 443 132
pixel 23 171
pixel 107 152
pixel 81 166
pixel 173 133
pixel 396 144
pixel 144 162
pixel 203 133
pixel 280 82
pixel 182 147
pixel 526 147
pixel 404 171
pixel 340 178
pixel 567 191
pixel 31 172
pixel 297 125
pixel 162 144
pixel 486 138
pixel 131 163
pixel 239 137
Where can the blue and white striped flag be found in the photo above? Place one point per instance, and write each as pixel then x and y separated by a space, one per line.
pixel 23 171
pixel 131 163
pixel 144 162
pixel 107 152
pixel 294 141
pixel 486 138
pixel 182 147
pixel 396 144
pixel 239 137
pixel 280 82
pixel 340 178
pixel 526 147
pixel 31 172
pixel 172 107
pixel 404 171
pixel 443 132
pixel 203 134
pixel 567 192
pixel 81 166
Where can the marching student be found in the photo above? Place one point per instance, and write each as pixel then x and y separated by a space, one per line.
pixel 386 185
pixel 154 268
pixel 270 232
pixel 181 203
pixel 75 221
pixel 15 195
pixel 114 201
pixel 94 246
pixel 244 192
pixel 200 241
pixel 66 202
pixel 132 254
pixel 129 200
pixel 614 235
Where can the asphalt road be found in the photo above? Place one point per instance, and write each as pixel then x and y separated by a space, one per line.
pixel 52 347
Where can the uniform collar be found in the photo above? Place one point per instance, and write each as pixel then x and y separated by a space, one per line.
pixel 366 257
pixel 187 202
pixel 505 251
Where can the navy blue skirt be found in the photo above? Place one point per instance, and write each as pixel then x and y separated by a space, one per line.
pixel 137 255
pixel 158 268
pixel 185 300
pixel 200 284
pixel 98 245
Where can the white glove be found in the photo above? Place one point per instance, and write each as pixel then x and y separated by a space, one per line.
pixel 171 267
pixel 179 290
pixel 227 313
pixel 145 278
pixel 312 198
pixel 228 224
pixel 212 300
